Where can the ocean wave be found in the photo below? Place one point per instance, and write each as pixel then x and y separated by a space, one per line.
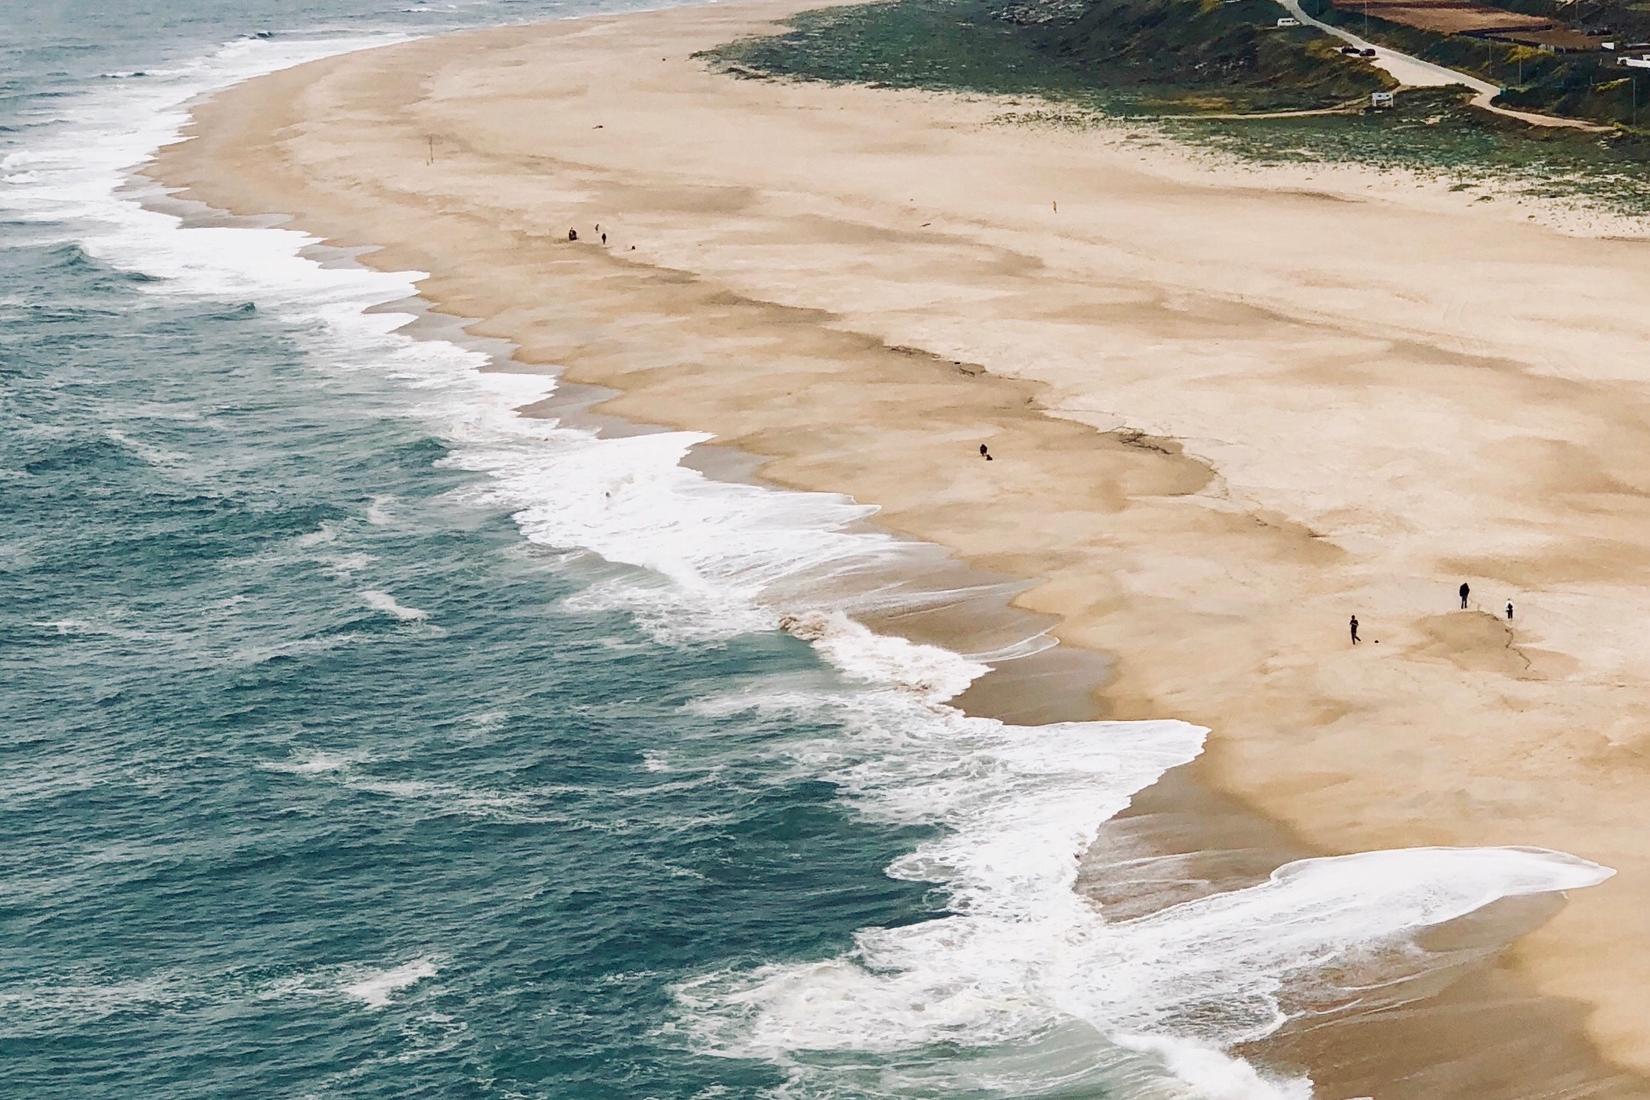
pixel 80 997
pixel 325 533
pixel 345 566
pixel 87 628
pixel 1021 955
pixel 381 510
pixel 158 457
pixel 291 649
pixel 451 798
pixel 89 999
pixel 342 769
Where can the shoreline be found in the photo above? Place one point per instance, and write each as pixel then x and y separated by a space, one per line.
pixel 1068 683
pixel 1141 465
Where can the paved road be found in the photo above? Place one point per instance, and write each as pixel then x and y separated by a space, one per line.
pixel 1412 72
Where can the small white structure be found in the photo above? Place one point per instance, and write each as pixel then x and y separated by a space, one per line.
pixel 1382 101
pixel 1289 21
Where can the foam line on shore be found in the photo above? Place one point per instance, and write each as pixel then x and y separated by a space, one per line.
pixel 1021 955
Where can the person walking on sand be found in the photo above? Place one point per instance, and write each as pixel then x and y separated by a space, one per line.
pixel 985 453
pixel 1354 625
pixel 1465 588
pixel 1509 611
pixel 572 234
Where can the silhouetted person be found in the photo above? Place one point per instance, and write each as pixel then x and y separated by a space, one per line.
pixel 604 238
pixel 1464 590
pixel 985 453
pixel 1509 611
pixel 572 234
pixel 1354 625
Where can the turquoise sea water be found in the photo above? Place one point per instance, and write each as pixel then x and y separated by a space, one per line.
pixel 265 837
pixel 365 739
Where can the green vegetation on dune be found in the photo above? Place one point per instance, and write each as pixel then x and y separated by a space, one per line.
pixel 1229 55
pixel 1190 66
pixel 1127 56
pixel 958 45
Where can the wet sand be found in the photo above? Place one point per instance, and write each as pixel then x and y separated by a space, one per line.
pixel 1226 412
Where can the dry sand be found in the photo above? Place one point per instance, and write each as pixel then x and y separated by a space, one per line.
pixel 1228 412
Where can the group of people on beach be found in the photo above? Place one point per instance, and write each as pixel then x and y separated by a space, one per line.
pixel 573 235
pixel 1464 591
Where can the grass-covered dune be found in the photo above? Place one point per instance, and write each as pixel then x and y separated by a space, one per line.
pixel 1129 56
pixel 1211 73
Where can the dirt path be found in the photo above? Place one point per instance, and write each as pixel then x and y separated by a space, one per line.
pixel 1412 72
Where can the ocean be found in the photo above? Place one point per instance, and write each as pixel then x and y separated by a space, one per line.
pixel 365 738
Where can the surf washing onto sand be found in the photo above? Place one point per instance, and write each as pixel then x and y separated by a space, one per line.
pixel 1010 983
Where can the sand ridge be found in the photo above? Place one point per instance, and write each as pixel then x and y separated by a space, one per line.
pixel 1226 414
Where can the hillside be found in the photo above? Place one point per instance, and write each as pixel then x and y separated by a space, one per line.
pixel 1128 56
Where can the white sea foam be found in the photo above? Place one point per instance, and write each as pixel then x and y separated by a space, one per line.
pixel 345 566
pixel 488 721
pixel 927 671
pixel 322 535
pixel 376 988
pixel 444 798
pixel 381 510
pixel 148 452
pixel 315 763
pixel 91 1000
pixel 1021 957
pixel 383 601
pixel 88 628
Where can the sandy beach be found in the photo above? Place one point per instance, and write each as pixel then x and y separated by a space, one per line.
pixel 1227 410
